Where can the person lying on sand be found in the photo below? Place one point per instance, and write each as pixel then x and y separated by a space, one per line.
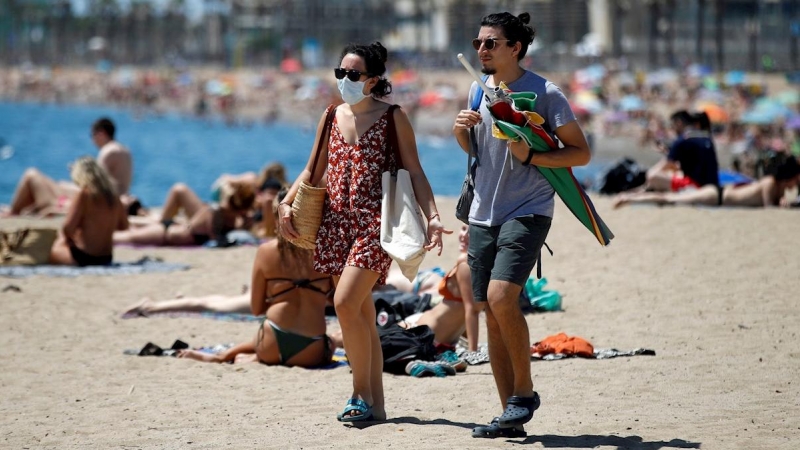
pixel 204 222
pixel 96 212
pixel 764 193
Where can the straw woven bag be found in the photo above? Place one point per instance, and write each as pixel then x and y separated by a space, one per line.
pixel 309 201
pixel 26 247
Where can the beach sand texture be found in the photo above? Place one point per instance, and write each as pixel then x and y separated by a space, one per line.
pixel 712 291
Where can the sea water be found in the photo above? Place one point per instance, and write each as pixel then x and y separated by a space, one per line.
pixel 171 148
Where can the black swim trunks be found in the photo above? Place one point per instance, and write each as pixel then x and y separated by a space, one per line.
pixel 84 259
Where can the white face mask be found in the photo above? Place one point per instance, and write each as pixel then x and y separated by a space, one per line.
pixel 352 91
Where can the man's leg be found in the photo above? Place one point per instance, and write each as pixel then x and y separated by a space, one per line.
pixel 514 344
pixel 502 370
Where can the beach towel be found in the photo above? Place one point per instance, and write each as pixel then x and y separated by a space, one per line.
pixel 223 316
pixel 150 349
pixel 144 265
pixel 560 346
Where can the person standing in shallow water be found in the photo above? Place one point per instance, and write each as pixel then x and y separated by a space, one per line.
pixel 348 244
pixel 512 210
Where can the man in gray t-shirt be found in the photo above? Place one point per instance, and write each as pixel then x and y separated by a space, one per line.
pixel 512 210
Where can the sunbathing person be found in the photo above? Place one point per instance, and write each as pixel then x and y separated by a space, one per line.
pixel 38 194
pixel 267 184
pixel 204 222
pixel 457 313
pixel 95 213
pixel 766 192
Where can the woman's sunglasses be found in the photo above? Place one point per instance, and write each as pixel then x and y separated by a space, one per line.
pixel 351 74
pixel 489 43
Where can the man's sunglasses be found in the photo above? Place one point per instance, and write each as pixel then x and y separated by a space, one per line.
pixel 351 74
pixel 489 43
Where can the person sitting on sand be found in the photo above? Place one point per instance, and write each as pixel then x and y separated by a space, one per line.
pixel 766 192
pixel 204 222
pixel 95 213
pixel 457 312
pixel 267 184
pixel 293 297
pixel 691 161
pixel 38 194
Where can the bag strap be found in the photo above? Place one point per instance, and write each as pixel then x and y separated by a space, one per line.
pixel 476 104
pixel 330 113
pixel 391 136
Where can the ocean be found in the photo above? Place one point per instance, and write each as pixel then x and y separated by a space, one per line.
pixel 172 148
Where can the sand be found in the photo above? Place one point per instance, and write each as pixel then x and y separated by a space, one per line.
pixel 713 291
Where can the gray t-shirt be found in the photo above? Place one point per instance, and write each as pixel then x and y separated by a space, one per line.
pixel 503 191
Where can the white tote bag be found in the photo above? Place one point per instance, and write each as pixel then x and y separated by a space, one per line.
pixel 403 229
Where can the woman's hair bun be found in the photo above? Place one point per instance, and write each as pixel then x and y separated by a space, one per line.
pixel 382 52
pixel 524 18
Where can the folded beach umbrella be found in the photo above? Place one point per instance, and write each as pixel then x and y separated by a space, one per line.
pixel 563 181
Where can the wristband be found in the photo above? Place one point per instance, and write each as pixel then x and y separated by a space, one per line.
pixel 528 159
pixel 431 217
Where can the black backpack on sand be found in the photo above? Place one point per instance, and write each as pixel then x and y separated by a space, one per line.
pixel 401 346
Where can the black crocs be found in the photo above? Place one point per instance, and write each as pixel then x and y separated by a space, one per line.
pixel 519 411
pixel 492 431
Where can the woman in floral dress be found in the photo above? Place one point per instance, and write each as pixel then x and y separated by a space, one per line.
pixel 348 242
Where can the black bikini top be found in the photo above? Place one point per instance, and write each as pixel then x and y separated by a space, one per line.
pixel 304 283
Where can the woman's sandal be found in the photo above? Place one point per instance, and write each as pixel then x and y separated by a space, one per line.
pixel 359 406
pixel 519 411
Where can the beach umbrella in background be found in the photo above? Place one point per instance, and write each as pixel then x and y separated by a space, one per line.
pixel 788 98
pixel 698 70
pixel 632 103
pixel 735 78
pixel 793 123
pixel 291 65
pixel 661 77
pixel 589 101
pixel 766 111
pixel 715 112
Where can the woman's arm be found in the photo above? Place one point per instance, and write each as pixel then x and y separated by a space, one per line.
pixel 472 310
pixel 422 188
pixel 284 207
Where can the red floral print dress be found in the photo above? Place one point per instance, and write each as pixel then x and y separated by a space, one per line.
pixel 350 233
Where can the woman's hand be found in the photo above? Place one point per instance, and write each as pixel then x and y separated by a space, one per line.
pixel 435 230
pixel 285 221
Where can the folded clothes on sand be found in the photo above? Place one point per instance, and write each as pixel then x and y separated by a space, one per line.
pixel 560 346
pixel 144 265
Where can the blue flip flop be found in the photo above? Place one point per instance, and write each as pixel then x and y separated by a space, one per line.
pixel 358 405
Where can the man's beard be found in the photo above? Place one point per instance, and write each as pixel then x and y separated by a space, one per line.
pixel 488 70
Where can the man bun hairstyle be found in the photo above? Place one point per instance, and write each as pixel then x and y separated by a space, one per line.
pixel 375 56
pixel 515 29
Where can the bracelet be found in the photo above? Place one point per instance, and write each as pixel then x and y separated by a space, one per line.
pixel 528 159
pixel 436 214
pixel 285 203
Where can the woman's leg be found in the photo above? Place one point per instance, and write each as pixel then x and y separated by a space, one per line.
pixel 353 289
pixel 210 303
pixel 153 234
pixel 35 191
pixel 180 196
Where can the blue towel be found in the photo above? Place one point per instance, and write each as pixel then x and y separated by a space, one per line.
pixel 144 265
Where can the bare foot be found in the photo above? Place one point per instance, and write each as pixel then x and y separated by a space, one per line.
pixel 140 309
pixel 198 356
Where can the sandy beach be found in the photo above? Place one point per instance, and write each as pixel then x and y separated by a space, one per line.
pixel 712 291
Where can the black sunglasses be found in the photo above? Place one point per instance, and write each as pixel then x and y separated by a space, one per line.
pixel 489 43
pixel 351 74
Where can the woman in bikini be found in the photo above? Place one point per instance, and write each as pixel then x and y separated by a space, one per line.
pixel 95 212
pixel 204 222
pixel 292 296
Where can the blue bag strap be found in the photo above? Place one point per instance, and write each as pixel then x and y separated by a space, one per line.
pixel 476 100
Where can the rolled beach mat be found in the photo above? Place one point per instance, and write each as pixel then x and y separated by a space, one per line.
pixel 307 214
